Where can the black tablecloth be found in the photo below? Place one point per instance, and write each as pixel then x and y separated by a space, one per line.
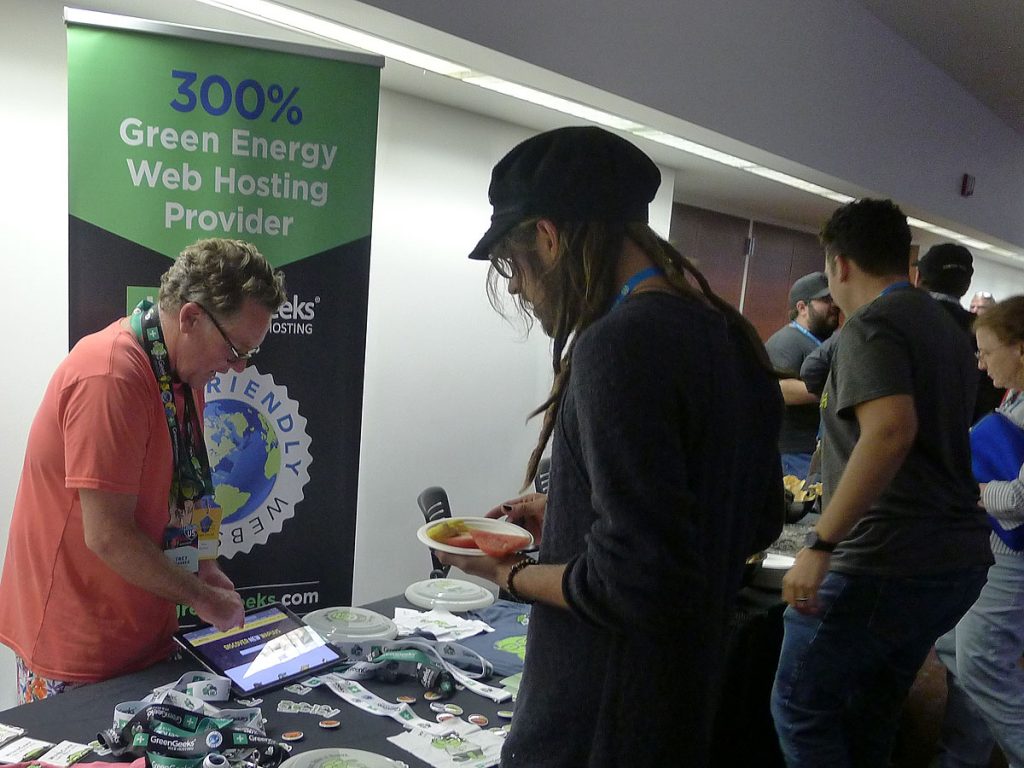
pixel 744 730
pixel 80 714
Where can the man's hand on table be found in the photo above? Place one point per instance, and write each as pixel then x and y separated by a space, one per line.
pixel 221 607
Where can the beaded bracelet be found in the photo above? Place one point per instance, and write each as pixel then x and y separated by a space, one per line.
pixel 509 586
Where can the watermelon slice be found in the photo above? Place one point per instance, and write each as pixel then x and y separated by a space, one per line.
pixel 498 544
pixel 464 540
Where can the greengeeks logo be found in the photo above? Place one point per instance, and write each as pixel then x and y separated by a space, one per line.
pixel 259 456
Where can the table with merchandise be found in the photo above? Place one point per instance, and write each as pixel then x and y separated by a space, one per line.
pixel 394 714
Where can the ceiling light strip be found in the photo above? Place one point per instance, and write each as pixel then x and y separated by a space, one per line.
pixel 318 26
pixel 311 24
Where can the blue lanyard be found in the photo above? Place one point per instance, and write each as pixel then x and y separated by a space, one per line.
pixel 805 332
pixel 900 286
pixel 633 282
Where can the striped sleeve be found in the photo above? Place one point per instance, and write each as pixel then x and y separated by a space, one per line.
pixel 1004 500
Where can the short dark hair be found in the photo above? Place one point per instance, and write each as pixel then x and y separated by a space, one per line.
pixel 873 234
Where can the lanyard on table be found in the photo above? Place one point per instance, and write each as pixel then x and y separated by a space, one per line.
pixel 409 656
pixel 356 695
pixel 175 737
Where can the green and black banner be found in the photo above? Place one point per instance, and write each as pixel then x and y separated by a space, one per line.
pixel 176 135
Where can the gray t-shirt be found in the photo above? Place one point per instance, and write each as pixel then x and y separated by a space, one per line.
pixel 787 348
pixel 928 519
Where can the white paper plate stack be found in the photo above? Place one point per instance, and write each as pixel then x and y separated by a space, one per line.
pixel 332 758
pixel 448 595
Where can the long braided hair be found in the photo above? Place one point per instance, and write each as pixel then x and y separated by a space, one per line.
pixel 579 286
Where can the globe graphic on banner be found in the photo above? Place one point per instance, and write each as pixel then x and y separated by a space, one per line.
pixel 244 456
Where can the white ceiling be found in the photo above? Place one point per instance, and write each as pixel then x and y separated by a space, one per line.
pixel 979 43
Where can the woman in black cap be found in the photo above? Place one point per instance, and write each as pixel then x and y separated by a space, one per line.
pixel 663 420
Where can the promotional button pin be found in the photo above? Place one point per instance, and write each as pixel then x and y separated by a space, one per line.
pixel 444 716
pixel 505 714
pixel 453 709
pixel 436 706
pixel 478 720
pixel 406 699
pixel 292 735
pixel 329 724
pixel 431 695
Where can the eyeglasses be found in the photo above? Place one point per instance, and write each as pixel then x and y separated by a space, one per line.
pixel 236 355
pixel 982 354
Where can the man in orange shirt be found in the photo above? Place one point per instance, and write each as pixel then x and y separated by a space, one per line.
pixel 115 453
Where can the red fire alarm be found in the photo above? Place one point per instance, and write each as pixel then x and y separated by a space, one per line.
pixel 967 185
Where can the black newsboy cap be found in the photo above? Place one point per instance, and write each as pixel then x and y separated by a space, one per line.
pixel 582 173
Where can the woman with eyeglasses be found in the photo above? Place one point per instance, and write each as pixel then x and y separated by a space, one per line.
pixel 983 653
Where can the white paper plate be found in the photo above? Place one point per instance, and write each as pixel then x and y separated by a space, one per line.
pixel 479 523
pixel 349 758
pixel 345 624
pixel 448 595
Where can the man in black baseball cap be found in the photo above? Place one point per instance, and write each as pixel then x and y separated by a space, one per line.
pixel 654 381
pixel 945 271
pixel 812 286
pixel 813 318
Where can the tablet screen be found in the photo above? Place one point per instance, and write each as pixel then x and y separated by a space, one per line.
pixel 272 648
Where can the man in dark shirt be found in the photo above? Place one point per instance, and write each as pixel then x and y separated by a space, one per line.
pixel 663 420
pixel 901 549
pixel 945 271
pixel 813 318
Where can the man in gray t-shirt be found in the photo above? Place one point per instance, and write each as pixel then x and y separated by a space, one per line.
pixel 813 318
pixel 901 549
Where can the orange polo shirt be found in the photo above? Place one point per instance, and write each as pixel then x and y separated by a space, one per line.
pixel 100 426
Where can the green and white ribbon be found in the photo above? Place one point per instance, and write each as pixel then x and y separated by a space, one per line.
pixel 356 695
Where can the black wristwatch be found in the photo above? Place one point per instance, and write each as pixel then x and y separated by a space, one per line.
pixel 813 541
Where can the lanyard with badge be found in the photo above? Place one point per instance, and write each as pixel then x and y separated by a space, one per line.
pixel 630 285
pixel 191 479
pixel 805 332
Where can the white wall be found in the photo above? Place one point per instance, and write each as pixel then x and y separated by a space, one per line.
pixel 1000 280
pixel 448 382
pixel 33 233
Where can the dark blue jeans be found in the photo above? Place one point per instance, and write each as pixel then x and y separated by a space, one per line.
pixel 844 672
